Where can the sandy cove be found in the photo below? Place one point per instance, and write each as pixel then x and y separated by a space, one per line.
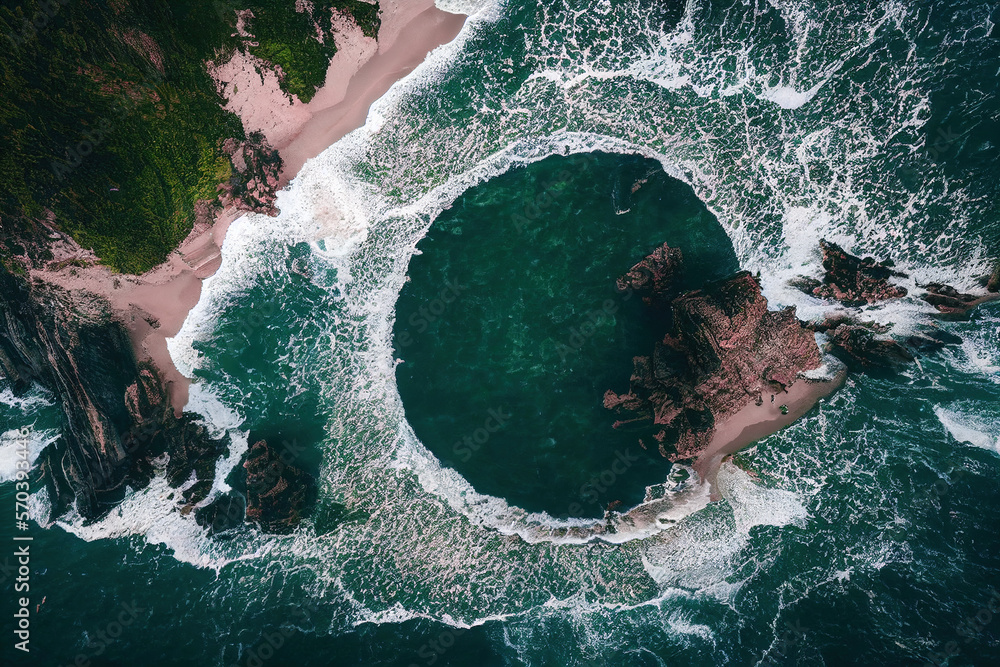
pixel 154 305
pixel 750 424
pixel 755 422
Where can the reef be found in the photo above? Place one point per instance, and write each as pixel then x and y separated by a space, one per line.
pixel 723 350
pixel 852 280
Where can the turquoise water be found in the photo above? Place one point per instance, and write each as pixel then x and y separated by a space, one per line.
pixel 869 531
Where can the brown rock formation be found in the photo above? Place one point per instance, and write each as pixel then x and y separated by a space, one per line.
pixel 863 346
pixel 724 351
pixel 117 416
pixel 852 280
pixel 950 301
pixel 655 276
pixel 278 493
pixel 258 167
pixel 834 320
pixel 858 341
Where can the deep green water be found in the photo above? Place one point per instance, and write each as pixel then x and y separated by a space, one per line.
pixel 871 527
pixel 508 352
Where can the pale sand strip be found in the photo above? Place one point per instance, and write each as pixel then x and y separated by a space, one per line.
pixel 155 304
pixel 755 422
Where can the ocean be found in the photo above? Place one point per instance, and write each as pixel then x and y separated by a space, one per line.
pixel 432 320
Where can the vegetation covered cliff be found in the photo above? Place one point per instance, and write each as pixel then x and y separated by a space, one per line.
pixel 113 128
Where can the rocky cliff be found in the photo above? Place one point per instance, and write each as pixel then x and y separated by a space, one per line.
pixel 117 417
pixel 724 350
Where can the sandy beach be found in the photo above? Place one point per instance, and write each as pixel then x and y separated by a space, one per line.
pixel 154 305
pixel 758 421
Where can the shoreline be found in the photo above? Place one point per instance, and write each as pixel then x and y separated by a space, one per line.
pixel 750 424
pixel 153 306
pixel 754 422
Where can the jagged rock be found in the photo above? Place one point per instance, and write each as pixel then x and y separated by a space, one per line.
pixel 852 280
pixel 805 284
pixel 859 342
pixel 116 413
pixel 950 301
pixel 863 346
pixel 932 340
pixel 834 320
pixel 655 276
pixel 278 493
pixel 724 350
pixel 193 452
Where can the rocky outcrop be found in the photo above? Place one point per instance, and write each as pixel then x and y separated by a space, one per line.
pixel 656 276
pixel 225 513
pixel 860 343
pixel 863 346
pixel 258 166
pixel 852 280
pixel 834 320
pixel 724 350
pixel 931 340
pixel 116 414
pixel 278 493
pixel 950 301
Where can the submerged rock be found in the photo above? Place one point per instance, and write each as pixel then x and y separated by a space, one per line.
pixel 725 349
pixel 993 284
pixel 932 340
pixel 852 280
pixel 278 493
pixel 950 301
pixel 862 345
pixel 224 513
pixel 834 320
pixel 847 338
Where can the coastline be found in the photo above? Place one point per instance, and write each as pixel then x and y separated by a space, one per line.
pixel 153 306
pixel 755 422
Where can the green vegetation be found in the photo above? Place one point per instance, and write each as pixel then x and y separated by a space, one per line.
pixel 112 122
pixel 291 41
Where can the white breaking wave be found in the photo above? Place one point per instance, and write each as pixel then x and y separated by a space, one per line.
pixel 969 428
pixel 18 445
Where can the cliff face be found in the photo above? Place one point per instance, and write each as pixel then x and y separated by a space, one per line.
pixel 116 413
pixel 725 350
